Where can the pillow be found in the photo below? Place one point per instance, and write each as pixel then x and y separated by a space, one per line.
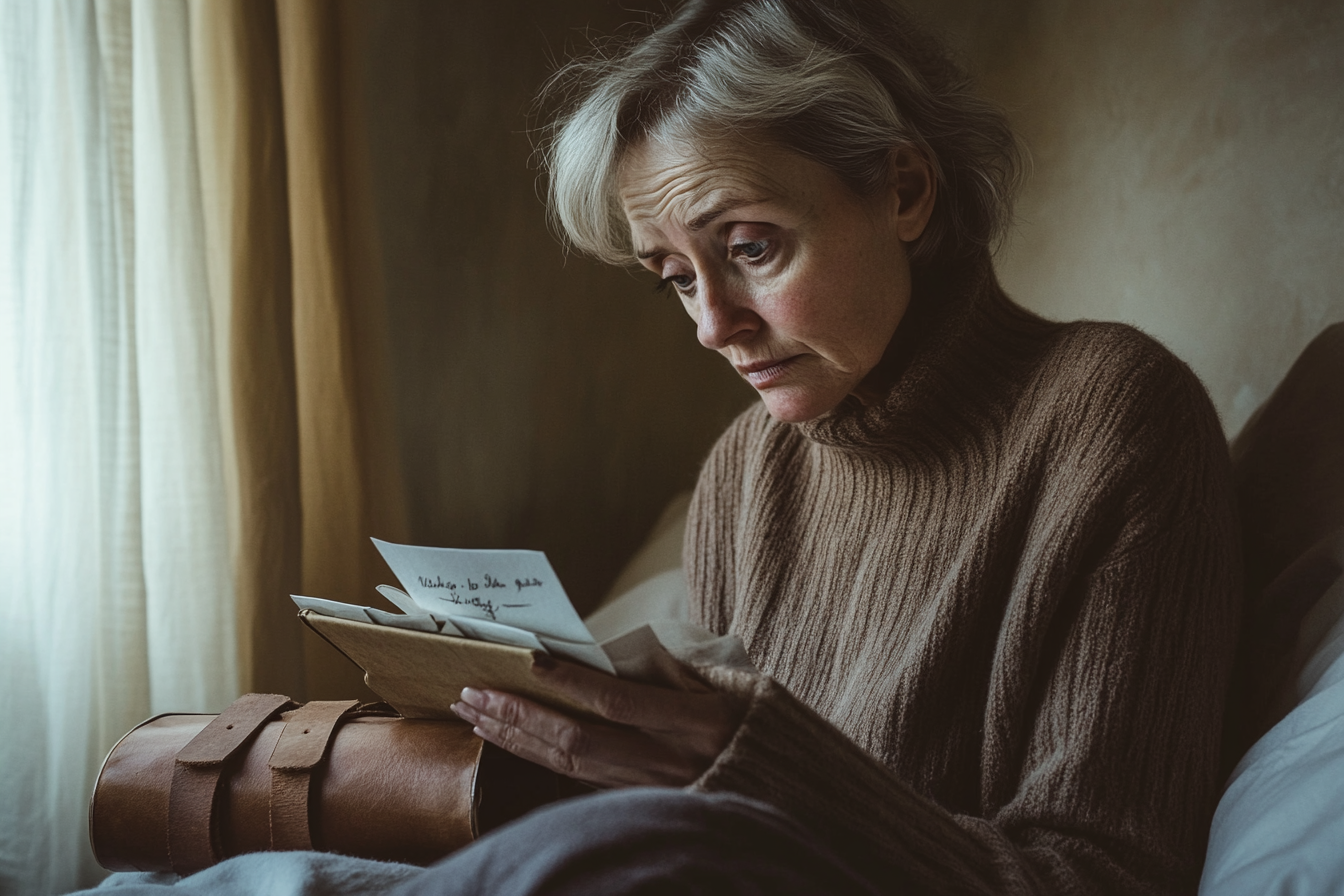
pixel 663 596
pixel 1279 827
pixel 660 551
pixel 1290 494
pixel 652 586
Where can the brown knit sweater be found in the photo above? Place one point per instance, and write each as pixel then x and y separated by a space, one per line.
pixel 995 615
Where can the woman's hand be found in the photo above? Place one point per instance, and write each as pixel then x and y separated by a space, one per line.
pixel 651 735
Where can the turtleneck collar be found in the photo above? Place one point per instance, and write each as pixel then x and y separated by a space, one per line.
pixel 954 311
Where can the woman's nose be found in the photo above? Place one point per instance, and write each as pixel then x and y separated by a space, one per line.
pixel 725 317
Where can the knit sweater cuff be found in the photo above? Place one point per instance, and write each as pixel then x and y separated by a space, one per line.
pixel 786 755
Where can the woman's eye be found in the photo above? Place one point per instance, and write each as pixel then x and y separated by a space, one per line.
pixel 752 250
pixel 681 282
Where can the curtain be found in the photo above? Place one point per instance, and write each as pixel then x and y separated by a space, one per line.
pixel 117 592
pixel 192 412
pixel 293 244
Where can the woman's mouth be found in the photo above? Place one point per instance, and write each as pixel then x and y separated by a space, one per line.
pixel 763 374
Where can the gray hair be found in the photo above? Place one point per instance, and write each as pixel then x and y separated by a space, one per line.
pixel 842 82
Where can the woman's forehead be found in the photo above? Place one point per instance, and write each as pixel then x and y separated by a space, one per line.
pixel 689 184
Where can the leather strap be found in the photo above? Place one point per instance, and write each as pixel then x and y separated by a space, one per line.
pixel 193 830
pixel 302 744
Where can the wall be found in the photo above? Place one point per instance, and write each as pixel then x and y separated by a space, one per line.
pixel 1189 171
pixel 1189 179
pixel 544 402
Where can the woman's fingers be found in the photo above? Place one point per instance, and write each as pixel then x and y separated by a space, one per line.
pixel 627 702
pixel 591 752
pixel 511 716
pixel 656 735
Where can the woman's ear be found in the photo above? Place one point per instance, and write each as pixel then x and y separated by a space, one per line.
pixel 915 189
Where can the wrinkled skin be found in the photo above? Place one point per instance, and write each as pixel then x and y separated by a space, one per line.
pixel 652 735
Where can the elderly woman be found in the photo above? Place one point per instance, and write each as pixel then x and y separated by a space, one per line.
pixel 984 562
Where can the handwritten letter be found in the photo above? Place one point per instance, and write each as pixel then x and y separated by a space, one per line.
pixel 513 588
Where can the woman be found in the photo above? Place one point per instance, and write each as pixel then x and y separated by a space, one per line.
pixel 984 562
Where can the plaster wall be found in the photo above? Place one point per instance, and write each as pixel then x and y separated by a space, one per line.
pixel 1188 171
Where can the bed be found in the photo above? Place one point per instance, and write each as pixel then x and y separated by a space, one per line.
pixel 1279 826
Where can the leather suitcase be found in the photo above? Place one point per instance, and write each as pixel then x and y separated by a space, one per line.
pixel 181 792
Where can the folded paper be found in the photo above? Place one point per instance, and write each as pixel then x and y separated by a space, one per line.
pixel 477 618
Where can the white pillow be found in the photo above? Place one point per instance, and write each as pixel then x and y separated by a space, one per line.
pixel 660 551
pixel 652 586
pixel 663 596
pixel 1279 828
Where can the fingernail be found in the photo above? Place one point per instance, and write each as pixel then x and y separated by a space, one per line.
pixel 473 697
pixel 465 712
pixel 542 660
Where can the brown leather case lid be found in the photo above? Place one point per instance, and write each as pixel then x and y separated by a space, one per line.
pixel 421 674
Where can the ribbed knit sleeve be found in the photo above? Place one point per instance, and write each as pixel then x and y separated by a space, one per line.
pixel 1110 582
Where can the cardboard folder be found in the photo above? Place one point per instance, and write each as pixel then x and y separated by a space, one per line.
pixel 422 674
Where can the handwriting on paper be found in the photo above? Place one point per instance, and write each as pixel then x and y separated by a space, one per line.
pixel 486 581
pixel 487 607
pixel 479 583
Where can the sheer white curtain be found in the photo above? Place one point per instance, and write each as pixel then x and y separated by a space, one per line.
pixel 116 594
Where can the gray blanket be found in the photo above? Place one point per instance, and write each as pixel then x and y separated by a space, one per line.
pixel 268 874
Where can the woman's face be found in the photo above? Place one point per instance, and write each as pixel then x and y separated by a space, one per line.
pixel 788 274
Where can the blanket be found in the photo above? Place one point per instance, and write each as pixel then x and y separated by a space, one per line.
pixel 267 874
